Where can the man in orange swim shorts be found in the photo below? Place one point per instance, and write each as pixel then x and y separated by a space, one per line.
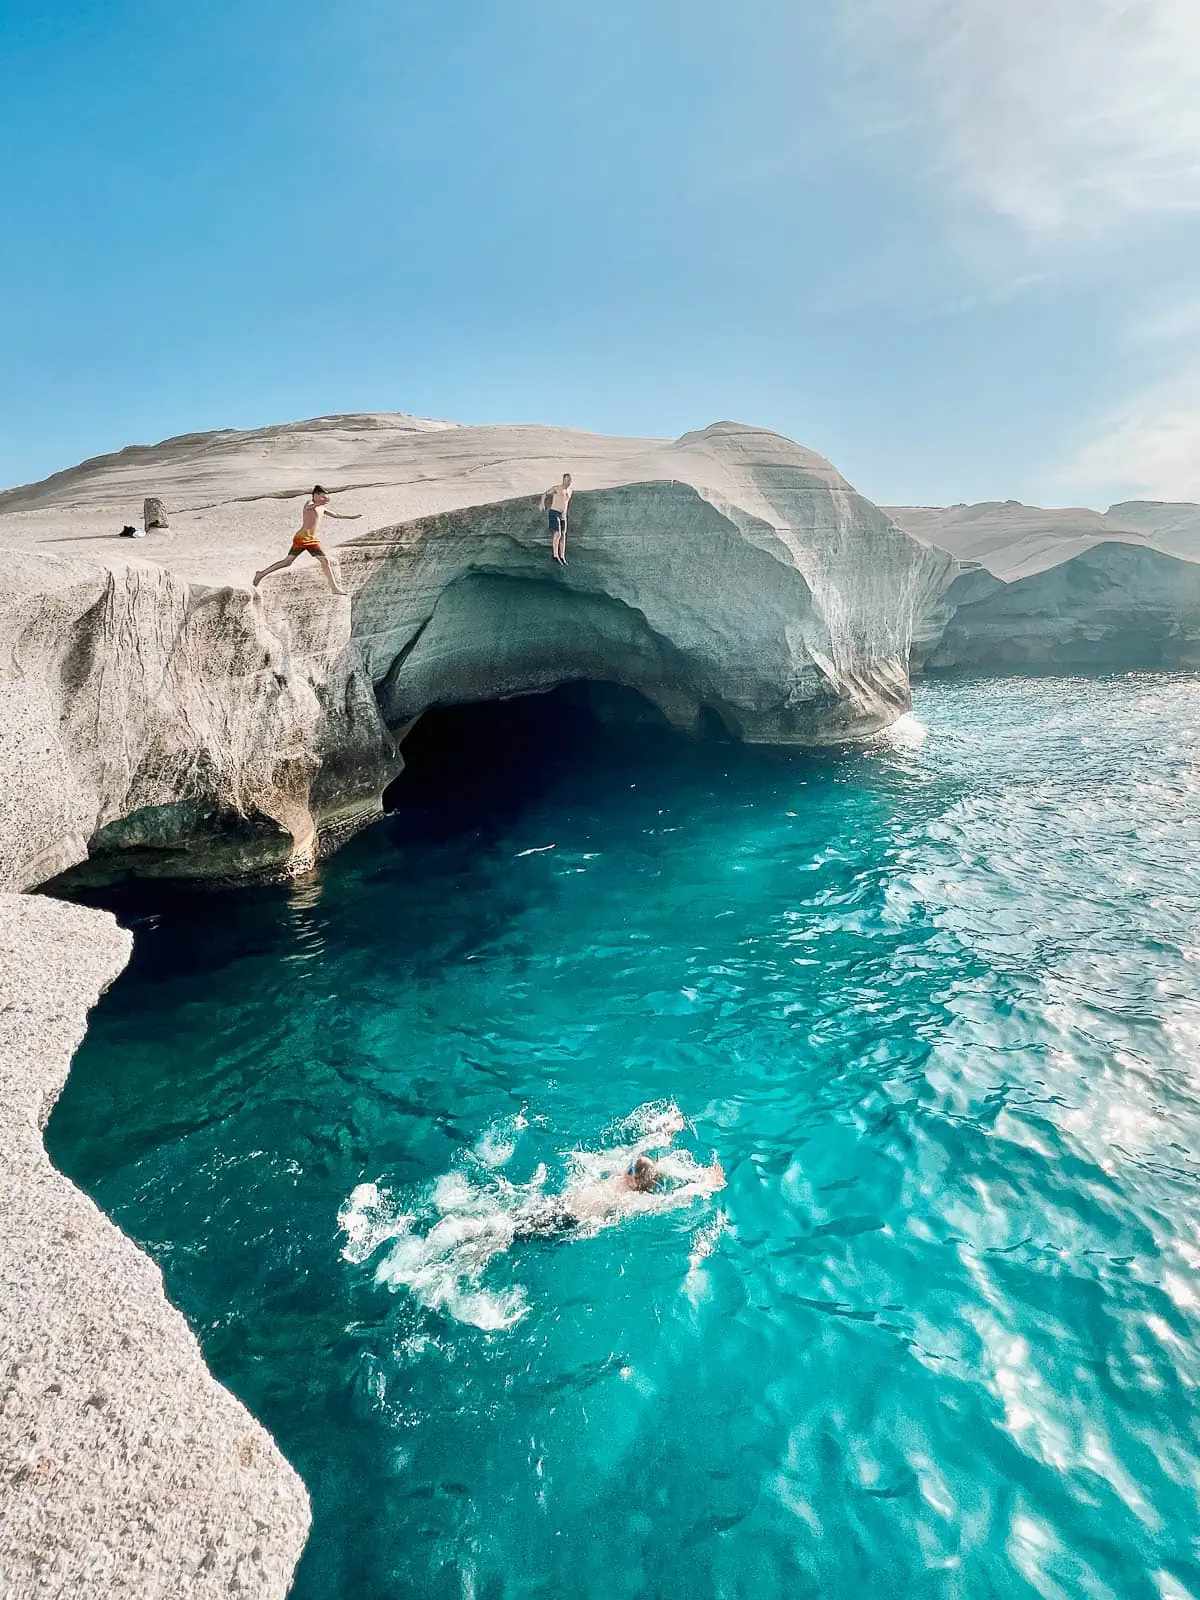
pixel 308 538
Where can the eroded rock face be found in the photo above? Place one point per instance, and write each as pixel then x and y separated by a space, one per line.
pixel 1114 607
pixel 152 715
pixel 1068 590
pixel 192 728
pixel 126 1470
pixel 1014 541
pixel 695 602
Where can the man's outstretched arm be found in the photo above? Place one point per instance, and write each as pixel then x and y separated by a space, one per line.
pixel 343 516
pixel 705 1182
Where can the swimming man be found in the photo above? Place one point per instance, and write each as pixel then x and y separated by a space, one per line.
pixel 641 1186
pixel 307 540
pixel 558 499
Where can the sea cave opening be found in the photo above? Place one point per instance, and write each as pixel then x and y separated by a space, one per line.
pixel 466 764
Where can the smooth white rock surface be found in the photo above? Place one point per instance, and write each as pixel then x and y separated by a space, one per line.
pixel 160 711
pixel 1014 541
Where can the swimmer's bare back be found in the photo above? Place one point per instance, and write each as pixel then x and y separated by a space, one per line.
pixel 609 1201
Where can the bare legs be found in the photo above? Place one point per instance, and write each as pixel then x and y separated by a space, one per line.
pixel 322 558
pixel 328 571
pixel 278 566
pixel 558 544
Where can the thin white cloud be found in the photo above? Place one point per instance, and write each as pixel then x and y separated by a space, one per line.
pixel 1150 450
pixel 1170 325
pixel 1058 132
pixel 1060 116
pixel 1150 447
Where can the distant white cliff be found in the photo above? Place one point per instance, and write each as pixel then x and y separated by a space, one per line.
pixel 1065 590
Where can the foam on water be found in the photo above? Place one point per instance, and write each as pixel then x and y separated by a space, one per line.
pixel 443 1241
pixel 906 733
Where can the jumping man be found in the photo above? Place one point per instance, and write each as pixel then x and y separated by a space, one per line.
pixel 558 499
pixel 308 538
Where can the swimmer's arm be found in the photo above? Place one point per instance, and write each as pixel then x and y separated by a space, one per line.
pixel 343 516
pixel 657 1137
pixel 707 1181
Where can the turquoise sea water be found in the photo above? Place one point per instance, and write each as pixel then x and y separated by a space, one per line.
pixel 937 1009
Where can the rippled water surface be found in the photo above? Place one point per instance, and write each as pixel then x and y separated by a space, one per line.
pixel 935 1008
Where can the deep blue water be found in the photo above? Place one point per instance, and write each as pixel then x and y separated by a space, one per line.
pixel 935 1007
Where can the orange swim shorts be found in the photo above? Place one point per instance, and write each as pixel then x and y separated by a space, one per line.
pixel 306 541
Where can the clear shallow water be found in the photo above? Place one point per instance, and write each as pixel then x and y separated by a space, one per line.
pixel 936 1008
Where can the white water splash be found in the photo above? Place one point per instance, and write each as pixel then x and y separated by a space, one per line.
pixel 497 1145
pixel 441 1267
pixel 440 1249
pixel 704 1242
pixel 367 1219
pixel 906 733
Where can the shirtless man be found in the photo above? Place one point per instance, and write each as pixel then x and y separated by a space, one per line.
pixel 308 538
pixel 638 1187
pixel 558 499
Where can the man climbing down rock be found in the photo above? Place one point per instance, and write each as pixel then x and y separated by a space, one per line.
pixel 558 499
pixel 308 538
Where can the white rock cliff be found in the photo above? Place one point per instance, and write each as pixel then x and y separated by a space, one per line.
pixel 126 1471
pixel 1068 590
pixel 157 710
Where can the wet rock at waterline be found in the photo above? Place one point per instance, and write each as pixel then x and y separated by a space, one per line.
pixel 158 714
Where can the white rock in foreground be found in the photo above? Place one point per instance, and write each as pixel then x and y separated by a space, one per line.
pixel 126 1470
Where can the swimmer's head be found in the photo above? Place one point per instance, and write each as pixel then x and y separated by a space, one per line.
pixel 643 1174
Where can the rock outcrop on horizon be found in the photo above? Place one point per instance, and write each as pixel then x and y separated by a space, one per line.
pixel 1065 590
pixel 1112 608
pixel 1014 541
pixel 158 711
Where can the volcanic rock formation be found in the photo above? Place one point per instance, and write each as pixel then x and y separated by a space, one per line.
pixel 157 710
pixel 1114 607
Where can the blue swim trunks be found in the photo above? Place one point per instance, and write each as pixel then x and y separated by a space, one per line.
pixel 558 522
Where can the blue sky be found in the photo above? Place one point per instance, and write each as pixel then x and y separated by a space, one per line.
pixel 951 244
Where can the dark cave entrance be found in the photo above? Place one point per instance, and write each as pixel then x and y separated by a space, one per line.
pixel 468 764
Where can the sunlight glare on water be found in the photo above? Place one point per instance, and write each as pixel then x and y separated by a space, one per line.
pixel 935 1006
